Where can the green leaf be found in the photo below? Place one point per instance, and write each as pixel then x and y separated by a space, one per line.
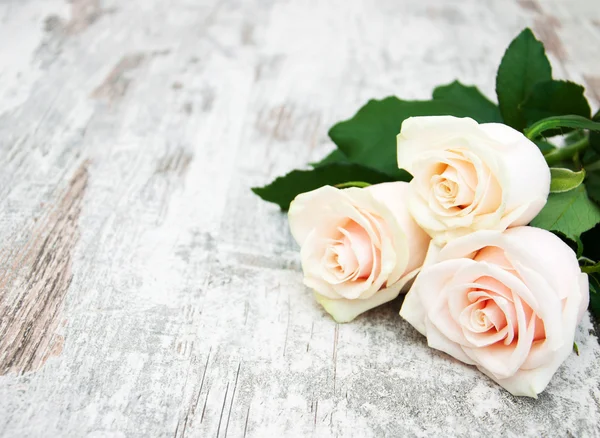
pixel 570 213
pixel 569 121
pixel 471 100
pixel 595 136
pixel 284 189
pixel 589 157
pixel 523 65
pixel 594 289
pixel 578 247
pixel 335 156
pixel 369 138
pixel 592 183
pixel 555 98
pixel 563 180
pixel 591 269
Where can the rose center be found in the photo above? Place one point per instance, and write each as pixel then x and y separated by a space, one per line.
pixel 451 188
pixel 446 189
pixel 480 319
pixel 350 256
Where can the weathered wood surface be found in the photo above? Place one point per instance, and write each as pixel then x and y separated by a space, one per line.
pixel 145 291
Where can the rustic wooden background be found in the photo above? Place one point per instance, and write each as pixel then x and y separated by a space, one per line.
pixel 146 292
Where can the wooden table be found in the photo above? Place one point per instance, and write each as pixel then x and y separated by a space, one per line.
pixel 146 292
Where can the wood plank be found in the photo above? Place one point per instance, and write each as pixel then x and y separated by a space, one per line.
pixel 130 133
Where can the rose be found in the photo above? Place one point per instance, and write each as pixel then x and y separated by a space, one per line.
pixel 470 176
pixel 359 246
pixel 506 302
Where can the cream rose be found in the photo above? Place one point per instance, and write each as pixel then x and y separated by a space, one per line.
pixel 359 246
pixel 470 176
pixel 508 302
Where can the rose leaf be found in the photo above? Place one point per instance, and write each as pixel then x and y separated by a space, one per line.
pixel 523 65
pixel 555 98
pixel 284 189
pixel 570 213
pixel 563 180
pixel 592 182
pixel 335 156
pixel 595 135
pixel 471 100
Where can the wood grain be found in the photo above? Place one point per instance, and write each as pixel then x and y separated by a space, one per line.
pixel 35 280
pixel 147 292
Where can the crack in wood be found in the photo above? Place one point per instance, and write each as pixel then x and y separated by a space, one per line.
pixel 184 426
pixel 222 409
pixel 177 162
pixel 202 382
pixel 246 422
pixel 334 358
pixel 312 327
pixel 246 310
pixel 204 407
pixel 287 328
pixel 237 375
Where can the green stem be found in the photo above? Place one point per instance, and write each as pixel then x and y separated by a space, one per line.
pixel 569 121
pixel 566 152
pixel 537 128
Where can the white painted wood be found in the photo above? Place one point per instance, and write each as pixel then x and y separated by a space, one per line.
pixel 130 133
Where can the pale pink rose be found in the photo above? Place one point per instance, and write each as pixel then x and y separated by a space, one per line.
pixel 470 176
pixel 359 246
pixel 507 302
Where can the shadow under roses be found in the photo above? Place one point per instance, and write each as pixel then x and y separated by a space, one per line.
pixel 431 381
pixel 386 316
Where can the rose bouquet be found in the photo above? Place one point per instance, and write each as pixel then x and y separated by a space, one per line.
pixel 486 215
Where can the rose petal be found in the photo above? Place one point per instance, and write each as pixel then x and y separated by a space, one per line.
pixel 436 339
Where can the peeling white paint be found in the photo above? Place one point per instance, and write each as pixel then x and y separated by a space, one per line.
pixel 187 315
